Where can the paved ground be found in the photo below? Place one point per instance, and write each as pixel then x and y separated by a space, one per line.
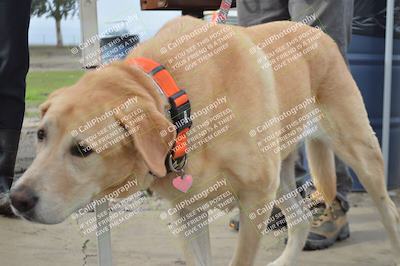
pixel 145 240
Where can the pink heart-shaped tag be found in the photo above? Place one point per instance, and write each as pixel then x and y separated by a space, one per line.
pixel 183 183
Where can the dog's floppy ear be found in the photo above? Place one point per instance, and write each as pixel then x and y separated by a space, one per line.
pixel 153 140
pixel 46 105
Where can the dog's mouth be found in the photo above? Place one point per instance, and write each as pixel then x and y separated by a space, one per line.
pixel 28 216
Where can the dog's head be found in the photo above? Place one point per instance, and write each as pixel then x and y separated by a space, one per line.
pixel 91 138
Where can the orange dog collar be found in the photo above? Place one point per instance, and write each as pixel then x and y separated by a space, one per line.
pixel 179 108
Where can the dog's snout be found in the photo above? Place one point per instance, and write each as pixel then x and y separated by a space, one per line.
pixel 23 198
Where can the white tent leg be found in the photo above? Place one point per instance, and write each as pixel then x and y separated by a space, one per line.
pixel 103 235
pixel 387 91
pixel 90 44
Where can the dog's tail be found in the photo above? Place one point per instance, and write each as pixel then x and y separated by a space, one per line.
pixel 321 161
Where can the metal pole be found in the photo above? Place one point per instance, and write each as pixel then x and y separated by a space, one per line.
pixel 103 234
pixel 387 91
pixel 91 58
pixel 89 31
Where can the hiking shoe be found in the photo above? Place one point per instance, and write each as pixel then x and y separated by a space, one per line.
pixel 328 226
pixel 5 207
pixel 9 139
pixel 234 222
pixel 277 220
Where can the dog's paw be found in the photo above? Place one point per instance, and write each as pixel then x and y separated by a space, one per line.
pixel 281 261
pixel 278 263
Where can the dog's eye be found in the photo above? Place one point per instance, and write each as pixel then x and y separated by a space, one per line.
pixel 41 134
pixel 80 150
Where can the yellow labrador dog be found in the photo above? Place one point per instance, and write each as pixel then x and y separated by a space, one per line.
pixel 271 77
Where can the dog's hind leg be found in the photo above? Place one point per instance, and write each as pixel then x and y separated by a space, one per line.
pixel 353 140
pixel 362 153
pixel 298 217
pixel 196 245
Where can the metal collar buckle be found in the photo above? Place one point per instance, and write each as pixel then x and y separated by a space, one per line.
pixel 176 165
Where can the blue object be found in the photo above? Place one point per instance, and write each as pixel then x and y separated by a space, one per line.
pixel 117 47
pixel 366 58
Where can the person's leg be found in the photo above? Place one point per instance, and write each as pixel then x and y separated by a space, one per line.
pixel 14 63
pixel 335 18
pixel 344 184
pixel 254 12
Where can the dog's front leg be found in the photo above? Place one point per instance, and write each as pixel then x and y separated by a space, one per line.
pixel 196 239
pixel 250 230
pixel 297 215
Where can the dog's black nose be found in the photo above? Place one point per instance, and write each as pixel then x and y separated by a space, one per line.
pixel 23 198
